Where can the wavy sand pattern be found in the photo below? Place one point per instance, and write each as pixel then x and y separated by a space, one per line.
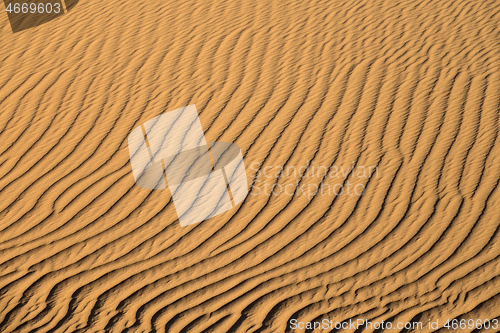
pixel 412 88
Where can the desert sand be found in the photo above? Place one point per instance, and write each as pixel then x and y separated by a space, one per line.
pixel 410 88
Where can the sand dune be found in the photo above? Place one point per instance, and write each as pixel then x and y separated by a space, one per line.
pixel 410 89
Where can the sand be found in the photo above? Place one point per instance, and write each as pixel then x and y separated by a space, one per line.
pixel 410 89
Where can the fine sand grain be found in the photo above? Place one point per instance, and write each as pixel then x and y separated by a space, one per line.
pixel 411 88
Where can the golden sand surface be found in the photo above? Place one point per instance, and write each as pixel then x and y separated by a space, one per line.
pixel 411 88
